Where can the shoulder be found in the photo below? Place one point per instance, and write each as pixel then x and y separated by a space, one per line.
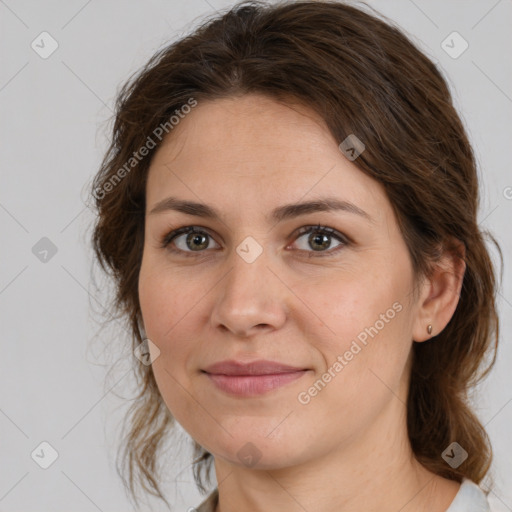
pixel 470 498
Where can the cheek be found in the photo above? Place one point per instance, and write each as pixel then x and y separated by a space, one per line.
pixel 161 311
pixel 167 300
pixel 353 307
pixel 362 373
pixel 363 339
pixel 165 311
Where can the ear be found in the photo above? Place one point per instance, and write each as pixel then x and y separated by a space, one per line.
pixel 439 293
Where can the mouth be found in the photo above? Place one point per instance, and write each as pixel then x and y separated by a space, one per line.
pixel 252 379
pixel 253 385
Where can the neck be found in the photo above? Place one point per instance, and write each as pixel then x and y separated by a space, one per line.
pixel 375 472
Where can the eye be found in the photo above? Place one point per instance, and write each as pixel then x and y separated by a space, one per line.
pixel 319 240
pixel 195 240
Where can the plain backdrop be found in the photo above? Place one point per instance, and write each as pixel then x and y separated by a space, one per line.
pixel 54 115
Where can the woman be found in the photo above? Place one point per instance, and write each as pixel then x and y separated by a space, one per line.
pixel 288 209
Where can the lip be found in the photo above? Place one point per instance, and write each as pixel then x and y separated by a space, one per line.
pixel 251 379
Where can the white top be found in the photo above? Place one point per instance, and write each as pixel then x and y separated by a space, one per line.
pixel 470 498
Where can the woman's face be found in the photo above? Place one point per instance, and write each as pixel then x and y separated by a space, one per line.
pixel 256 284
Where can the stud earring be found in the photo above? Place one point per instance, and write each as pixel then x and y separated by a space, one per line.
pixel 429 329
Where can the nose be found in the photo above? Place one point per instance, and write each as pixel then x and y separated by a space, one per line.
pixel 250 298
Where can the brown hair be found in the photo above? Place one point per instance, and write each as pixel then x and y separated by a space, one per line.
pixel 363 76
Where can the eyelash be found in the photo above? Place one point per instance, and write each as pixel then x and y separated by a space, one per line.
pixel 168 238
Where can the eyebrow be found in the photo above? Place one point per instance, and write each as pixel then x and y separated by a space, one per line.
pixel 287 211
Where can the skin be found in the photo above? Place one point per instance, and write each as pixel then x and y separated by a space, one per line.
pixel 346 450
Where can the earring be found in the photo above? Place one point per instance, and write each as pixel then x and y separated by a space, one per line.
pixel 429 329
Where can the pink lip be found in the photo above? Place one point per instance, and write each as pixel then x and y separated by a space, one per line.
pixel 249 379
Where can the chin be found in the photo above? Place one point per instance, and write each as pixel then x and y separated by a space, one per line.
pixel 258 452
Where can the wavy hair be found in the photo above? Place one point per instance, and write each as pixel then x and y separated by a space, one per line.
pixel 363 76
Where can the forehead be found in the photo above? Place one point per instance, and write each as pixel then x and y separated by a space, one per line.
pixel 256 151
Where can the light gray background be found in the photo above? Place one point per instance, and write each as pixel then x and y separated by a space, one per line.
pixel 53 132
